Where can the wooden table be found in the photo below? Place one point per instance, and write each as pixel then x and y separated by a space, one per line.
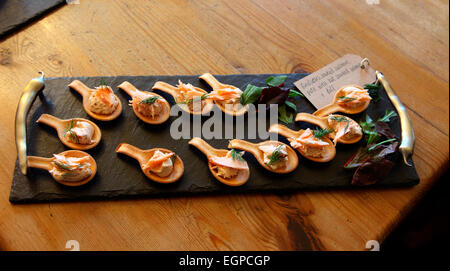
pixel 407 40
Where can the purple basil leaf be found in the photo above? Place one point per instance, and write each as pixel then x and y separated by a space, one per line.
pixel 371 172
pixel 273 95
pixel 383 129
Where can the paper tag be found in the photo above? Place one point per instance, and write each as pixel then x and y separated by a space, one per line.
pixel 320 86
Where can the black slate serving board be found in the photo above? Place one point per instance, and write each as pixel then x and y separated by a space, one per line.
pixel 15 14
pixel 119 176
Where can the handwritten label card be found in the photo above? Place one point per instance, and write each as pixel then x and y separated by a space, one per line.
pixel 320 86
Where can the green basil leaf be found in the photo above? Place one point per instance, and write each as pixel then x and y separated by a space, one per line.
pixel 282 115
pixel 250 94
pixel 291 105
pixel 294 93
pixel 275 81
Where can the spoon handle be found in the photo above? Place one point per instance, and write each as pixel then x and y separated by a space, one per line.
pixel 327 110
pixel 283 130
pixel 204 147
pixel 49 120
pixel 167 88
pixel 40 162
pixel 80 87
pixel 244 145
pixel 131 151
pixel 211 80
pixel 312 119
pixel 129 88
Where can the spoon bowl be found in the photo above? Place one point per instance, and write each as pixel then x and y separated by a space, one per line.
pixel 132 91
pixel 61 127
pixel 334 107
pixel 175 93
pixel 330 150
pixel 238 180
pixel 291 163
pixel 85 93
pixel 215 85
pixel 322 122
pixel 142 156
pixel 46 164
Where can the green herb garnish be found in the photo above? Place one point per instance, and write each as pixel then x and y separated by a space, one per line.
pixel 373 91
pixel 291 105
pixel 204 96
pixel 63 166
pixel 339 118
pixel 275 157
pixel 283 116
pixel 294 93
pixel 149 101
pixel 380 143
pixel 320 133
pixel 346 99
pixel 388 115
pixel 236 155
pixel 250 94
pixel 102 82
pixel 275 81
pixel 71 133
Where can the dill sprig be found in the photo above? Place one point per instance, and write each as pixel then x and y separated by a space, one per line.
pixel 63 166
pixel 341 119
pixel 275 157
pixel 346 99
pixel 380 143
pixel 71 133
pixel 235 154
pixel 149 101
pixel 102 82
pixel 321 133
pixel 388 115
pixel 204 96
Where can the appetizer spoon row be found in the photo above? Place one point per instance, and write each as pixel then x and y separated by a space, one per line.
pixel 102 104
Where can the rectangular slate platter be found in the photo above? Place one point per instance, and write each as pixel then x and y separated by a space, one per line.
pixel 119 176
pixel 14 14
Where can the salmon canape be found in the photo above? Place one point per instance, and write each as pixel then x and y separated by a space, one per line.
pixel 148 106
pixel 310 145
pixel 227 166
pixel 274 156
pixel 191 99
pixel 345 129
pixel 75 133
pixel 351 99
pixel 226 97
pixel 342 128
pixel 353 96
pixel 103 101
pixel 100 103
pixel 71 168
pixel 313 145
pixel 158 164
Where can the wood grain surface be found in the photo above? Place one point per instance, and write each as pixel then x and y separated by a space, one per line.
pixel 407 40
